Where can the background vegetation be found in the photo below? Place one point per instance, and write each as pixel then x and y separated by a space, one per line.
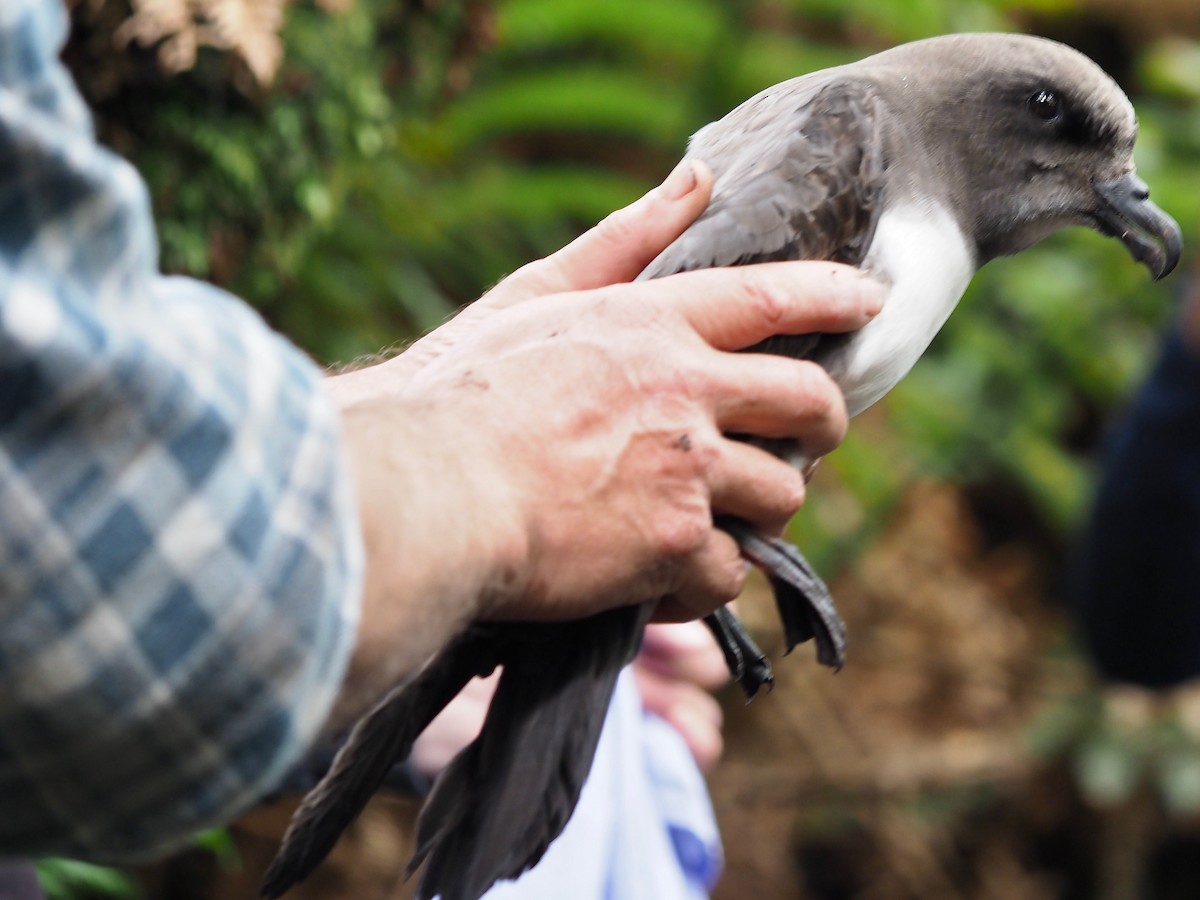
pixel 358 172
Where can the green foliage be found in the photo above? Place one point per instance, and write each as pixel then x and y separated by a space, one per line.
pixel 69 879
pixel 1122 743
pixel 412 154
pixel 409 156
pixel 244 190
pixel 72 879
pixel 220 843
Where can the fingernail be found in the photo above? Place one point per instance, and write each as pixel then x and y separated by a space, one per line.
pixel 681 181
pixel 873 294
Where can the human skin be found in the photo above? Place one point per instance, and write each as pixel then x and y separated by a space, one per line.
pixel 560 447
pixel 677 668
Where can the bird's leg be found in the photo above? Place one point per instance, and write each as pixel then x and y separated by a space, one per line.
pixel 747 664
pixel 805 604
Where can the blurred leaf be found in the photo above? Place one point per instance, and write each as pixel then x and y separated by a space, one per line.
pixel 601 100
pixel 1052 477
pixel 1107 770
pixel 1059 726
pixel 1179 781
pixel 670 32
pixel 220 843
pixel 70 879
pixel 1172 67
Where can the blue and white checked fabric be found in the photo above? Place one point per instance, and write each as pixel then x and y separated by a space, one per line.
pixel 180 560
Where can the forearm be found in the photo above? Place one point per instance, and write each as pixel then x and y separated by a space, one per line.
pixel 439 541
pixel 181 572
pixel 179 595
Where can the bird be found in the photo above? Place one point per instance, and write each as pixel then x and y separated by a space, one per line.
pixel 918 164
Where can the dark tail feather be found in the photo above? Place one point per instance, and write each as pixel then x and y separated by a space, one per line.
pixel 747 663
pixel 380 740
pixel 805 604
pixel 496 808
pixel 479 825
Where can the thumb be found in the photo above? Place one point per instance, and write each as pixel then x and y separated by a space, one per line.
pixel 619 247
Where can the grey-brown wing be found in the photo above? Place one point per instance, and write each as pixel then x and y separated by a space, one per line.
pixel 798 174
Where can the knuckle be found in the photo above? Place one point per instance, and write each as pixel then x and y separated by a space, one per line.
pixel 762 299
pixel 725 572
pixel 676 390
pixel 730 581
pixel 542 276
pixel 618 228
pixel 791 494
pixel 703 450
pixel 708 382
pixel 680 534
pixel 821 399
pixel 687 458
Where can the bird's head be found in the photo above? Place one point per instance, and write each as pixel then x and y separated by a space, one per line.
pixel 1032 136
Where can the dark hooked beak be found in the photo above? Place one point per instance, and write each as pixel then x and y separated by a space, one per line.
pixel 1124 211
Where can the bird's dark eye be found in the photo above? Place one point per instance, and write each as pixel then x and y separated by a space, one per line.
pixel 1044 105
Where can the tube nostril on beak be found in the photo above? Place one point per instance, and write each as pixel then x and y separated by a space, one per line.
pixel 1126 212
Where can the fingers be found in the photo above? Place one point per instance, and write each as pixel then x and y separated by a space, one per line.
pixel 712 576
pixel 619 247
pixel 689 710
pixel 685 652
pixel 735 308
pixel 775 397
pixel 454 727
pixel 614 251
pixel 753 485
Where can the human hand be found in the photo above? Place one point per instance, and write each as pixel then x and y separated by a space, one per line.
pixel 613 252
pixel 599 419
pixel 678 666
pixel 454 727
pixel 496 460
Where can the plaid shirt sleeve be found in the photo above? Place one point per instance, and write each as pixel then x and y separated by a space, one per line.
pixel 180 560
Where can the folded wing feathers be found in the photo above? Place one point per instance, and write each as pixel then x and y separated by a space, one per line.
pixel 380 740
pixel 509 794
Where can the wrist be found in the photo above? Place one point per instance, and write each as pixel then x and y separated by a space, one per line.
pixel 441 543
